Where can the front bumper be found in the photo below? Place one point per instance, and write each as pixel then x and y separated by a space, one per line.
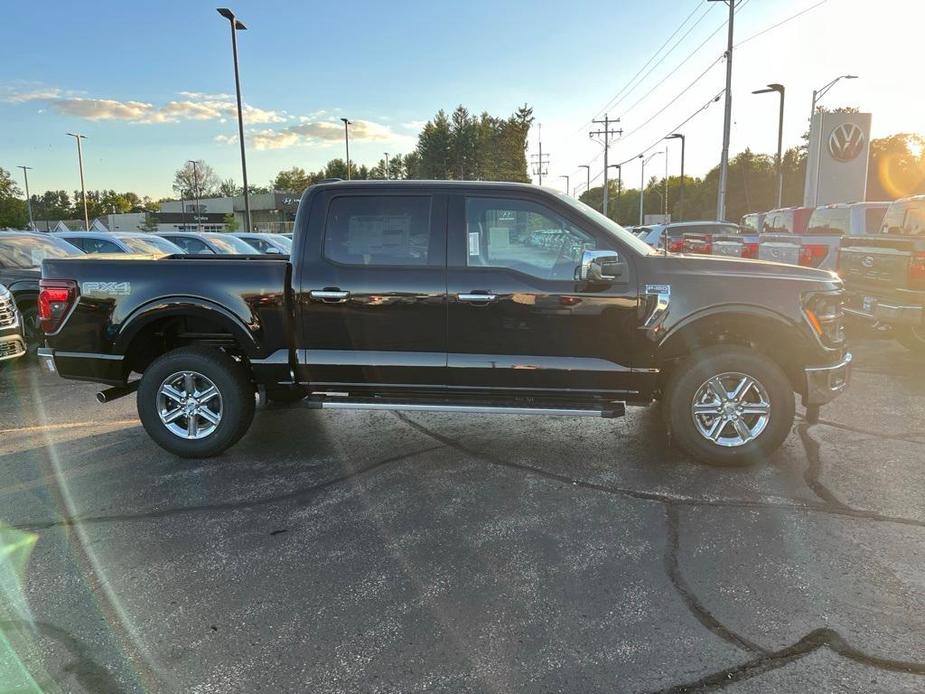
pixel 825 383
pixel 12 347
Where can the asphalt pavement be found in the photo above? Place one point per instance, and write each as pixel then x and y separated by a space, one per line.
pixel 379 552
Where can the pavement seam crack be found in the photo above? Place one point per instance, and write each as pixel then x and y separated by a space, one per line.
pixel 906 438
pixel 813 641
pixel 814 469
pixel 297 496
pixel 690 599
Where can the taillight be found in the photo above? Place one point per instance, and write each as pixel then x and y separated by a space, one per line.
pixel 812 254
pixel 917 271
pixel 56 297
pixel 750 250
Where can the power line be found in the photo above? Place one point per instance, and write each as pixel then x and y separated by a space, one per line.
pixel 651 58
pixel 780 23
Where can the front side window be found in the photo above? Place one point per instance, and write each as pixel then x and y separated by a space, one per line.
pixel 523 236
pixel 379 230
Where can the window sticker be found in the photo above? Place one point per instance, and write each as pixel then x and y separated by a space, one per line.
pixel 474 243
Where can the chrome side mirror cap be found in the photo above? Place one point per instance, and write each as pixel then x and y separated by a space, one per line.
pixel 600 266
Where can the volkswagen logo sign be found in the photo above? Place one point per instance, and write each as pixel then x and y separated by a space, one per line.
pixel 846 142
pixel 868 261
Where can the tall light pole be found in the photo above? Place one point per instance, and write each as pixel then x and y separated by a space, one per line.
pixel 196 190
pixel 817 95
pixel 679 136
pixel 779 88
pixel 727 118
pixel 642 184
pixel 567 189
pixel 587 168
pixel 237 25
pixel 347 144
pixel 386 166
pixel 25 175
pixel 83 189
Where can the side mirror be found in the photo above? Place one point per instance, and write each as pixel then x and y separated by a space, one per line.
pixel 273 251
pixel 601 266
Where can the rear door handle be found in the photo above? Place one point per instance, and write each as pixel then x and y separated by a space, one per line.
pixel 478 297
pixel 329 296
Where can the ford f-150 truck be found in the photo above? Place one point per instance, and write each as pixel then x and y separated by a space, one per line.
pixel 417 295
pixel 885 273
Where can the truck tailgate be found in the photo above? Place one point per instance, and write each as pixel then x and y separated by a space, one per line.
pixel 880 262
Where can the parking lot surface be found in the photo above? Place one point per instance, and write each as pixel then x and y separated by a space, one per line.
pixel 352 551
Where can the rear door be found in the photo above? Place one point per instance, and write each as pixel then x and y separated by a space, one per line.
pixel 373 291
pixel 520 323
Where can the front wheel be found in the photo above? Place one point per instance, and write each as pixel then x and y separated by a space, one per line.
pixel 729 406
pixel 912 338
pixel 195 402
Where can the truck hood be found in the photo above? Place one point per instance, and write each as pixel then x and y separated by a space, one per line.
pixel 739 267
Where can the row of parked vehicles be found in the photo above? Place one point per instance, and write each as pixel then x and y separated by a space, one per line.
pixel 878 248
pixel 22 253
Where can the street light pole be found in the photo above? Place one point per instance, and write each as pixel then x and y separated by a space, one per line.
pixel 25 174
pixel 779 88
pixel 83 189
pixel 386 166
pixel 817 95
pixel 642 184
pixel 679 136
pixel 587 168
pixel 347 144
pixel 619 168
pixel 727 118
pixel 196 191
pixel 567 189
pixel 237 25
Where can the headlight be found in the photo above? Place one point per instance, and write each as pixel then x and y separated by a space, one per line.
pixel 824 314
pixel 5 293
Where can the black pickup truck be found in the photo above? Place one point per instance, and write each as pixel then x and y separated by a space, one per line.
pixel 885 273
pixel 453 297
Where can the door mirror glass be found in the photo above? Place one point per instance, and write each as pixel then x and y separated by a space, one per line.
pixel 601 266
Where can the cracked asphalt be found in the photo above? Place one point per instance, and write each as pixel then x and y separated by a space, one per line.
pixel 375 552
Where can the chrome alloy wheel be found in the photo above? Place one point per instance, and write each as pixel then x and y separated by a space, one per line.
pixel 731 409
pixel 189 405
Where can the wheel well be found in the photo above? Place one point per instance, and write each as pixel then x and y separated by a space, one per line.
pixel 170 332
pixel 773 338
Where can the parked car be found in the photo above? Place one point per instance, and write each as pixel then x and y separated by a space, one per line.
pixel 717 238
pixel 847 219
pixel 21 255
pixel 753 223
pixel 12 341
pixel 209 243
pixel 119 242
pixel 885 273
pixel 273 244
pixel 426 295
pixel 784 239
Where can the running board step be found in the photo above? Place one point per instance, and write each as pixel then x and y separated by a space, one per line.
pixel 611 410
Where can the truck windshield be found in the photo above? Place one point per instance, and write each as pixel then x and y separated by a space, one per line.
pixel 611 226
pixel 830 220
pixel 28 251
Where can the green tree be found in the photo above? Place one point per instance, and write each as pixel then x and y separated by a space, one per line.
pixel 149 224
pixel 230 222
pixel 293 180
pixel 13 211
pixel 228 188
pixel 187 178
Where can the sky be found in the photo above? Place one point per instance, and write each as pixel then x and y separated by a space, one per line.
pixel 151 84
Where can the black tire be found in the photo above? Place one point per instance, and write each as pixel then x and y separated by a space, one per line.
pixel 236 397
pixel 912 338
pixel 686 382
pixel 32 331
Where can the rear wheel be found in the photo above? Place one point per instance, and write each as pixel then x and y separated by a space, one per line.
pixel 32 332
pixel 195 402
pixel 729 405
pixel 912 338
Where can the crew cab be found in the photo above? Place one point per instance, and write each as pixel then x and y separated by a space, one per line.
pixel 885 273
pixel 428 295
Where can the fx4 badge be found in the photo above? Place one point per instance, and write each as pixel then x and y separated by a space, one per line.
pixel 106 288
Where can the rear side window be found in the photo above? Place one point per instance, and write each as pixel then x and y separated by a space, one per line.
pixel 830 220
pixel 379 230
pixel 99 246
pixel 779 223
pixel 914 224
pixel 190 245
pixel 873 218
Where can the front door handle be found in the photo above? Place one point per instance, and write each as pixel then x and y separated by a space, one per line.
pixel 329 296
pixel 478 297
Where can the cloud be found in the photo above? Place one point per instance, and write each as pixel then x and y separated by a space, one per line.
pixel 414 124
pixel 316 132
pixel 194 106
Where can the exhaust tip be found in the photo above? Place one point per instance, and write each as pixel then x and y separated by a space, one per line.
pixel 101 398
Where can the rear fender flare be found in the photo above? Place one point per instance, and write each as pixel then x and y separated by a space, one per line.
pixel 169 307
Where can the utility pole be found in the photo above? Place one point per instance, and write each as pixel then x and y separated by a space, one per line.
pixel 605 133
pixel 540 161
pixel 83 189
pixel 196 191
pixel 727 118
pixel 25 174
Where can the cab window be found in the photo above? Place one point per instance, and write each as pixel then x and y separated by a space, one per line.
pixel 380 230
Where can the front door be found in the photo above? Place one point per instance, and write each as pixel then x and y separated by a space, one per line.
pixel 373 292
pixel 519 322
